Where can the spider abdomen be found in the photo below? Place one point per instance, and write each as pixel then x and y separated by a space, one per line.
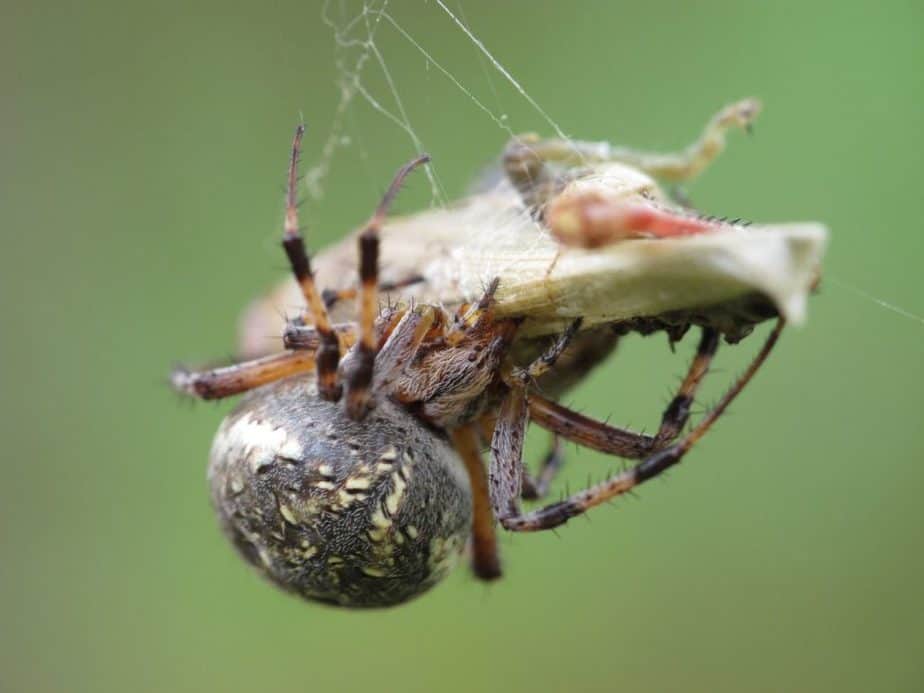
pixel 359 514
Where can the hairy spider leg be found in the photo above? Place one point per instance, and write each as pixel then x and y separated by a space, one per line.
pixel 317 346
pixel 537 487
pixel 470 317
pixel 485 555
pixel 234 379
pixel 301 343
pixel 360 377
pixel 300 337
pixel 505 474
pixel 332 297
pixel 543 364
pixel 426 327
pixel 586 432
pixel 601 437
pixel 399 349
pixel 328 352
pixel 651 466
pixel 677 413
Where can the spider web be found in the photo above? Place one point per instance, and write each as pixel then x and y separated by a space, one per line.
pixel 378 50
pixel 360 30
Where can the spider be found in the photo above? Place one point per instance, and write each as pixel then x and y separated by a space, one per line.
pixel 352 472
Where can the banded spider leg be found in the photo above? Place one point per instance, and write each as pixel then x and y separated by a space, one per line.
pixel 378 353
pixel 318 347
pixel 655 455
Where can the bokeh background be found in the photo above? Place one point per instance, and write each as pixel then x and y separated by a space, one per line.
pixel 143 151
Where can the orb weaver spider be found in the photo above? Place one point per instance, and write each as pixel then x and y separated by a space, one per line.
pixel 352 472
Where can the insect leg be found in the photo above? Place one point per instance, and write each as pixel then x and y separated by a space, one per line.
pixel 524 162
pixel 328 353
pixel 358 393
pixel 485 555
pixel 660 461
pixel 696 157
pixel 240 377
pixel 526 156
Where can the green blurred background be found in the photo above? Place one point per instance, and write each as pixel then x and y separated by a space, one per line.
pixel 143 151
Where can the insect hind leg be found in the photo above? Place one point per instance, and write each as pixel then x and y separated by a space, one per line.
pixel 540 168
pixel 697 156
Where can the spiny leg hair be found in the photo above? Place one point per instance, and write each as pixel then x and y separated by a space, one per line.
pixel 557 514
pixel 360 376
pixel 505 476
pixel 613 440
pixel 537 487
pixel 225 381
pixel 328 353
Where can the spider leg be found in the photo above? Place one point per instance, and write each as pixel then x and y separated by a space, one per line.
pixel 587 432
pixel 226 381
pixel 661 460
pixel 300 337
pixel 506 473
pixel 612 440
pixel 402 344
pixel 446 382
pixel 544 363
pixel 601 436
pixel 360 376
pixel 677 413
pixel 470 317
pixel 328 353
pixel 536 487
pixel 332 297
pixel 485 555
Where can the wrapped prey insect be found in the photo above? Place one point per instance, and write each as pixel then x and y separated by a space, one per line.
pixel 353 473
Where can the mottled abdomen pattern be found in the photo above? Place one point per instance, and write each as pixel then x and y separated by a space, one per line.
pixel 358 514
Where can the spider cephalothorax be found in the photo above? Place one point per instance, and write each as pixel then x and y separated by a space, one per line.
pixel 352 474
